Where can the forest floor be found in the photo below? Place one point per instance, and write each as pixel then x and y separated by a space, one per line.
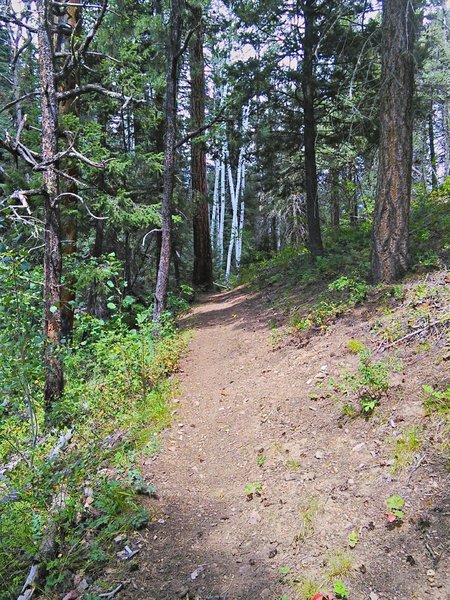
pixel 262 477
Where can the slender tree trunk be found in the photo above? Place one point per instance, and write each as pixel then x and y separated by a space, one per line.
pixel 390 229
pixel 69 213
pixel 54 378
pixel 309 95
pixel 170 116
pixel 334 197
pixel 433 158
pixel 215 204
pixel 220 236
pixel 203 269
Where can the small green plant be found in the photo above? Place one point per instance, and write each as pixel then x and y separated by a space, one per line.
pixel 353 538
pixel 436 401
pixel 395 505
pixel 307 588
pixel 261 459
pixel 293 464
pixel 405 448
pixel 308 512
pixel 355 346
pixel 253 489
pixel 339 564
pixel 340 590
pixel 348 410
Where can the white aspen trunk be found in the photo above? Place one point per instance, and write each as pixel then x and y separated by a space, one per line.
pixel 215 203
pixel 220 236
pixel 130 131
pixel 278 231
pixel 234 220
pixel 239 240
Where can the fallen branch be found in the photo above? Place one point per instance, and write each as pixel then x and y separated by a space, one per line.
pixel 62 441
pixel 112 593
pixel 414 333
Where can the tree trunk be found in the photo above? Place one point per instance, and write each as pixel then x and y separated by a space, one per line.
pixel 170 117
pixel 54 378
pixel 71 19
pixel 390 229
pixel 203 269
pixel 334 197
pixel 309 95
pixel 433 159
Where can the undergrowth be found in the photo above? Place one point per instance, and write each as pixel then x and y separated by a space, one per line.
pixel 340 279
pixel 75 481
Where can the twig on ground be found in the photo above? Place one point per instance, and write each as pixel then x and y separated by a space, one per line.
pixel 112 593
pixel 413 333
pixel 415 467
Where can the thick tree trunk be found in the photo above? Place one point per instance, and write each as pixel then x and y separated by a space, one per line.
pixel 203 269
pixel 54 379
pixel 390 229
pixel 170 116
pixel 309 94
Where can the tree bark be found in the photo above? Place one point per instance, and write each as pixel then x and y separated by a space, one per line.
pixel 391 219
pixel 54 378
pixel 71 19
pixel 433 158
pixel 203 268
pixel 309 95
pixel 170 117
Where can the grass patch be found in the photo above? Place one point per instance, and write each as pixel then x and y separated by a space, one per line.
pixel 406 447
pixel 307 514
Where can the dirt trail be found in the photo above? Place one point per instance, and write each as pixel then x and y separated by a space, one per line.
pixel 240 399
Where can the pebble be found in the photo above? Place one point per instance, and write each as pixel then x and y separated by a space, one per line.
pixel 319 454
pixel 373 596
pixel 358 447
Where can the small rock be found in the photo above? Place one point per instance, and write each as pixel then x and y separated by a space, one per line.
pixel 358 447
pixel 255 517
pixel 319 454
pixel 120 538
pixel 273 553
pixel 410 560
pixel 324 368
pixel 431 574
pixel 373 596
pixel 183 592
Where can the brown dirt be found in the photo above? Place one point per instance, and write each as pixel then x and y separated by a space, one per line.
pixel 242 397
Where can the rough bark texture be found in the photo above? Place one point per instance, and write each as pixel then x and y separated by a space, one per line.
pixel 390 230
pixel 170 116
pixel 54 380
pixel 203 269
pixel 69 221
pixel 309 93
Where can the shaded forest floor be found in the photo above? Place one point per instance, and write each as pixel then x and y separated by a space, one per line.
pixel 271 483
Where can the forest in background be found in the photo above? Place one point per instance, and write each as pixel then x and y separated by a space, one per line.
pixel 153 149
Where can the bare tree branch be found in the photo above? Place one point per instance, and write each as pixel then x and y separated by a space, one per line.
pixel 92 88
pixel 17 100
pixel 200 130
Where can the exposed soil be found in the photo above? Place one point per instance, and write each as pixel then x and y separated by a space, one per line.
pixel 322 476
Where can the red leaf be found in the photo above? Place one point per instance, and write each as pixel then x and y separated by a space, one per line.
pixel 318 596
pixel 391 518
